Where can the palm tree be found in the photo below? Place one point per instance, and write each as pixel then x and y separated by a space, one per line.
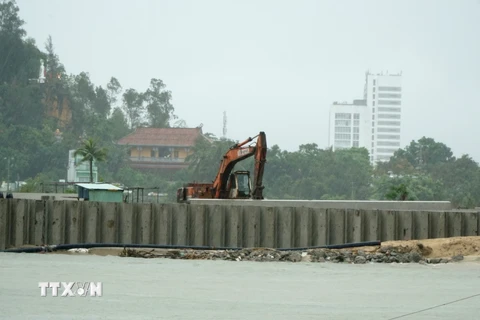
pixel 90 151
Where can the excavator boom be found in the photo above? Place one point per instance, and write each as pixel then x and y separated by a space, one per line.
pixel 260 160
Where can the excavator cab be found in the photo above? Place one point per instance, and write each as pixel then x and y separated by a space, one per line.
pixel 239 185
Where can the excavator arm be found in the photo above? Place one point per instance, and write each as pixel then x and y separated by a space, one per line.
pixel 237 153
pixel 260 160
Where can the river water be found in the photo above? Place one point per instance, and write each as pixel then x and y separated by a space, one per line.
pixel 135 288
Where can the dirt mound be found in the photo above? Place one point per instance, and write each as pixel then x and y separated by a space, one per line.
pixel 439 248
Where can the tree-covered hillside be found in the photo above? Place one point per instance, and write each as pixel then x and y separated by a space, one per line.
pixel 45 114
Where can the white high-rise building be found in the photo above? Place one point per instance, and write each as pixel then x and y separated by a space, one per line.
pixel 349 125
pixel 374 122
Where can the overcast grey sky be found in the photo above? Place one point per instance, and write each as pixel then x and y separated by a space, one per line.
pixel 275 65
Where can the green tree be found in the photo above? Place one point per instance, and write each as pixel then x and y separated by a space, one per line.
pixel 400 192
pixel 117 159
pixel 277 179
pixel 206 157
pixel 90 107
pixel 423 154
pixel 34 150
pixel 420 187
pixel 351 175
pixel 11 39
pixel 313 173
pixel 101 103
pixel 461 180
pixel 117 125
pixel 10 21
pixel 84 91
pixel 19 62
pixel 54 68
pixel 159 107
pixel 133 107
pixel 21 105
pixel 113 90
pixel 90 151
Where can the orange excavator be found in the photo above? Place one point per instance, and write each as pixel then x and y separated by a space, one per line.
pixel 236 185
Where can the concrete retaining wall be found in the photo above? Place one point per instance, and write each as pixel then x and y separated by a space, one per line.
pixel 333 204
pixel 37 222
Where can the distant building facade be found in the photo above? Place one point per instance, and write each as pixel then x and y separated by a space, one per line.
pixel 348 125
pixel 161 148
pixel 374 122
pixel 80 171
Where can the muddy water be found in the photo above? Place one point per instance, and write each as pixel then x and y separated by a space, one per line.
pixel 184 289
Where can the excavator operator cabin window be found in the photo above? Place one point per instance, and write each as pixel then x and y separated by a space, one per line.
pixel 243 186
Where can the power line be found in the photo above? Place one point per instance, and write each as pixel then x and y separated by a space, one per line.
pixel 434 307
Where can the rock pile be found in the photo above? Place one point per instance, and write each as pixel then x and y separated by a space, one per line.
pixel 380 254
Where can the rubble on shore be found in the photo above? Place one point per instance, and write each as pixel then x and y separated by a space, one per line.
pixel 427 251
pixel 379 254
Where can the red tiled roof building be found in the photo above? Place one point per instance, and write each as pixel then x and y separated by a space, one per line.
pixel 161 148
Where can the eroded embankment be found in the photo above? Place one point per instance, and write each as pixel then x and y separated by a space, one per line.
pixel 435 251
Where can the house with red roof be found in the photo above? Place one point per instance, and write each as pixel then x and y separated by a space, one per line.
pixel 161 148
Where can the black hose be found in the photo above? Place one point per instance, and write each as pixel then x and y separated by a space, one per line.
pixel 155 246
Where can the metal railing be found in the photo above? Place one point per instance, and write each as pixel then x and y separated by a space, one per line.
pixel 144 195
pixel 151 159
